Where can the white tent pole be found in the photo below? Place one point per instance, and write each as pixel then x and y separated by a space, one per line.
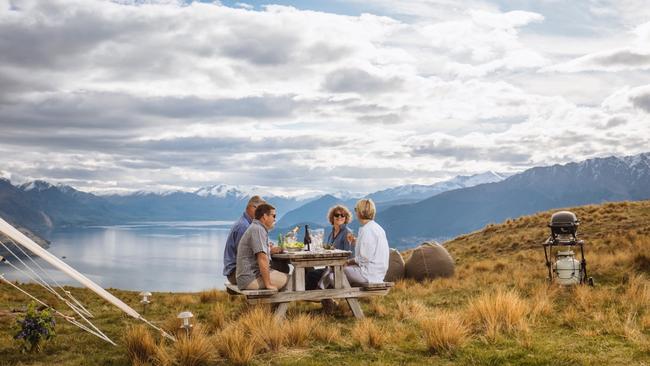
pixel 28 243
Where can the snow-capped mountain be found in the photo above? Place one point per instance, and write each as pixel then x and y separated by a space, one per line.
pixel 417 192
pixel 537 189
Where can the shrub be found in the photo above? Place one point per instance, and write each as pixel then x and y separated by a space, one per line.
pixel 234 344
pixel 298 329
pixel 497 312
pixel 36 327
pixel 216 317
pixel 194 349
pixel 140 345
pixel 264 328
pixel 444 332
pixel 368 335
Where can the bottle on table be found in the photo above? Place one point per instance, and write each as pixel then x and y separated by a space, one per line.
pixel 307 239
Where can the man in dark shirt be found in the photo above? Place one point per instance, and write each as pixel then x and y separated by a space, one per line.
pixel 236 232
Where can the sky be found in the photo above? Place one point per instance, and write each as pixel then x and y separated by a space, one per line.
pixel 315 96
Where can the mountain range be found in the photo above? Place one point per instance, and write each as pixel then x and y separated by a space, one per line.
pixel 409 213
pixel 463 210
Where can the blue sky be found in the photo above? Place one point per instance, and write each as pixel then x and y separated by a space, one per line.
pixel 315 96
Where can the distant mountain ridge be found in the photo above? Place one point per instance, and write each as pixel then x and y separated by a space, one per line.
pixel 464 210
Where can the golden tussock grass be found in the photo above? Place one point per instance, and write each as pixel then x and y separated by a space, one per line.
pixel 212 295
pixel 172 325
pixel 542 301
pixel 195 349
pixel 368 334
pixel 377 307
pixel 234 344
pixel 140 345
pixel 298 329
pixel 494 313
pixel 411 309
pixel 216 317
pixel 263 328
pixel 325 331
pixel 637 293
pixel 444 332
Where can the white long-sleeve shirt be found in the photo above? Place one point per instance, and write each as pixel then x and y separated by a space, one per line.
pixel 371 252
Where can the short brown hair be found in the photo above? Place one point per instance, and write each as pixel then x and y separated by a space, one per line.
pixel 263 209
pixel 365 208
pixel 339 208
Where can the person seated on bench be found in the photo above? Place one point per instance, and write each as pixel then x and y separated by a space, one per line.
pixel 371 251
pixel 254 254
pixel 234 236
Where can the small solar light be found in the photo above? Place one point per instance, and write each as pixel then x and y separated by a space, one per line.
pixel 145 300
pixel 186 316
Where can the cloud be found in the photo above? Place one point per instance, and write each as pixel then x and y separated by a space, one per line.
pixel 132 94
pixel 612 60
pixel 359 81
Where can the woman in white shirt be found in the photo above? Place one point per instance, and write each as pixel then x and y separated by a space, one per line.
pixel 371 252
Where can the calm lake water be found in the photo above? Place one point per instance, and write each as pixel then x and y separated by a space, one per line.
pixel 161 256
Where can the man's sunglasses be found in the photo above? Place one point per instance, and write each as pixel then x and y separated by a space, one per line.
pixel 339 215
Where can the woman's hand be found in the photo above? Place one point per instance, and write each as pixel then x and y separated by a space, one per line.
pixel 351 239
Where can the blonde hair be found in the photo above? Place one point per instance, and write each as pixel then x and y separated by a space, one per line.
pixel 339 208
pixel 365 208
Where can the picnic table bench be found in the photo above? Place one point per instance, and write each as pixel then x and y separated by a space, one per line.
pixel 295 288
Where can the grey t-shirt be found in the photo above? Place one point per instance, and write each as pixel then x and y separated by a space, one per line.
pixel 254 240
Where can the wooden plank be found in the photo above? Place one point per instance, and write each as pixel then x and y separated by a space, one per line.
pixel 286 296
pixel 355 307
pixel 318 262
pixel 377 286
pixel 252 293
pixel 299 279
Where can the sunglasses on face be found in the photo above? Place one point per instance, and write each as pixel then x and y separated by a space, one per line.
pixel 271 215
pixel 339 215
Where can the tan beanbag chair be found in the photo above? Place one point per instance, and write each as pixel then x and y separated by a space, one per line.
pixel 395 267
pixel 429 261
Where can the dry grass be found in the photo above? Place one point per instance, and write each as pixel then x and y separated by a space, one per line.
pixel 298 329
pixel 368 334
pixel 411 309
pixel 195 349
pixel 495 313
pixel 216 317
pixel 212 295
pixel 327 332
pixel 542 301
pixel 234 344
pixel 444 332
pixel 263 328
pixel 140 345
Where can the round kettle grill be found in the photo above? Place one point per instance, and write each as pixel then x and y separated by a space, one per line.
pixel 565 268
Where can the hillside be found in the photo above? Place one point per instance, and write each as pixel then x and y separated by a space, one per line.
pixel 498 309
pixel 452 213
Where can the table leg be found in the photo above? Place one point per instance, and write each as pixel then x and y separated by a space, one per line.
pixel 353 302
pixel 281 310
pixel 299 279
pixel 338 277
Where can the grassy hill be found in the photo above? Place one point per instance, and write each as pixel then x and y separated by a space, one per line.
pixel 498 309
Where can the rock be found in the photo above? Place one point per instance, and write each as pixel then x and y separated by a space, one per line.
pixel 395 267
pixel 429 261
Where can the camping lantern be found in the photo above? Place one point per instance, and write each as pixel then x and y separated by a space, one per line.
pixel 186 316
pixel 565 268
pixel 145 300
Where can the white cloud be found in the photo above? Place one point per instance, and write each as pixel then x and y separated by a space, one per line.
pixel 134 95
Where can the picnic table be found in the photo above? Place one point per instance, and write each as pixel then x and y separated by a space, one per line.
pixel 295 288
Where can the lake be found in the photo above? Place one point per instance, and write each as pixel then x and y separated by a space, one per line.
pixel 159 256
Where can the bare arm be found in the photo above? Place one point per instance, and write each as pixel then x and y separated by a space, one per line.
pixel 263 263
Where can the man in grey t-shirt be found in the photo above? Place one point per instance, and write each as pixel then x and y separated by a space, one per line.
pixel 254 254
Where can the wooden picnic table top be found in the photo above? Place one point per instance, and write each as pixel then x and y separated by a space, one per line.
pixel 312 255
